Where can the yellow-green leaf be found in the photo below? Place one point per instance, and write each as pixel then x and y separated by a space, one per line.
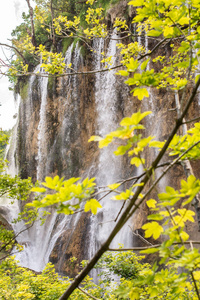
pixel 152 229
pixel 150 250
pixel 95 138
pixel 122 73
pixel 168 31
pixel 140 93
pixel 38 190
pixel 92 205
pixel 137 161
pixel 114 186
pixel 144 64
pixel 151 203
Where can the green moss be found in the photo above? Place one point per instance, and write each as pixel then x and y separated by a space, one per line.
pixel 106 4
pixel 65 44
pixel 84 51
pixel 23 86
pixel 50 82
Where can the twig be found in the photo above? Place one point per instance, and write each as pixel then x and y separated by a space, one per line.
pixel 83 291
pixel 140 237
pixel 195 285
pixel 151 246
pixel 14 48
pixel 192 120
pixel 64 74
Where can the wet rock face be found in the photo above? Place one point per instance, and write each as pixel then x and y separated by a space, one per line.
pixel 4 225
pixel 117 11
pixel 72 247
pixel 3 218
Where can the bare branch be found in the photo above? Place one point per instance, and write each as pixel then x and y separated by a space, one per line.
pixel 14 48
pixel 90 296
pixel 32 23
pixel 150 246
pixel 192 120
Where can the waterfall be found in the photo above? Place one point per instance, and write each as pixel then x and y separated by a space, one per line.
pixel 10 207
pixel 43 238
pixel 36 244
pixel 42 151
pixel 39 240
pixel 109 166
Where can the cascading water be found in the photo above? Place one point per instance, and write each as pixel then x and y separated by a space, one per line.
pixel 35 247
pixel 42 151
pixel 43 238
pixel 110 166
pixel 39 240
pixel 9 207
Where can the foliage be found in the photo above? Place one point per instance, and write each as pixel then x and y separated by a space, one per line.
pixel 126 265
pixel 53 21
pixel 21 283
pixel 174 24
pixel 67 195
pixel 13 188
pixel 4 136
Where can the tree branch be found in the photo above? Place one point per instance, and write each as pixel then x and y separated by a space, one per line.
pixel 150 246
pixel 32 23
pixel 132 202
pixel 14 48
pixel 90 296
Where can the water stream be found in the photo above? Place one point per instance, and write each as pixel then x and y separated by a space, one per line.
pixel 41 239
pixel 109 166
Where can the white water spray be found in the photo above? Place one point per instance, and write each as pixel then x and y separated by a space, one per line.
pixel 110 166
pixel 43 238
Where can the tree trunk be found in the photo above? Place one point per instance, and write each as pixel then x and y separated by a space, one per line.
pixel 52 27
pixel 33 40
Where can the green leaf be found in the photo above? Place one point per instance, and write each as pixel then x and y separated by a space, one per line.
pixel 155 217
pixel 185 46
pixel 168 31
pixel 105 142
pixel 197 78
pixel 152 229
pixel 156 144
pixel 150 250
pixel 123 73
pixel 92 205
pixel 135 118
pixel 121 150
pixel 137 161
pixel 95 138
pixel 136 2
pixel 124 195
pixel 154 33
pixel 151 203
pixel 144 64
pixel 140 93
pixel 65 210
pixel 38 190
pixel 114 186
pixel 132 65
pixel 137 184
